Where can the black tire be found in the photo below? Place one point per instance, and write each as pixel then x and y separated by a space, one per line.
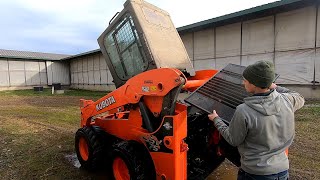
pixel 136 158
pixel 95 148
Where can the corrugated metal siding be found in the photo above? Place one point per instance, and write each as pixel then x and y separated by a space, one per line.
pixel 17 73
pixel 58 72
pixel 228 40
pixel 32 73
pixel 257 31
pixel 287 39
pixel 22 73
pixel 204 44
pixel 90 71
pixel 43 73
pixel 4 73
pixel 296 29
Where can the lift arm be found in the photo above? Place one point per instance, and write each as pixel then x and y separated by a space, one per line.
pixel 156 82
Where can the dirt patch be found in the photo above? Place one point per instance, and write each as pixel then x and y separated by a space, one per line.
pixel 40 101
pixel 225 171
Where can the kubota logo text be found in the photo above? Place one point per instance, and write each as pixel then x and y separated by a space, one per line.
pixel 105 103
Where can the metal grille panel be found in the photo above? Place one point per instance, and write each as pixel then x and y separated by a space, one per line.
pixel 223 93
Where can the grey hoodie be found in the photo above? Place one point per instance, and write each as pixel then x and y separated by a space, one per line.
pixel 263 128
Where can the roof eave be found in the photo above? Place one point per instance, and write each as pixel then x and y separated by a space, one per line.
pixel 248 14
pixel 29 58
pixel 81 54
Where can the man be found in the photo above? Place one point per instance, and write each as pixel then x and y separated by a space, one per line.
pixel 263 126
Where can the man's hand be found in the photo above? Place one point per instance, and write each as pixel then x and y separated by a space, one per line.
pixel 213 115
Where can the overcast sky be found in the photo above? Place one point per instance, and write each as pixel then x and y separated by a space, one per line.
pixel 73 26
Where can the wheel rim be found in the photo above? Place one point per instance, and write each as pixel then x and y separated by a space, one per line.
pixel 120 169
pixel 83 148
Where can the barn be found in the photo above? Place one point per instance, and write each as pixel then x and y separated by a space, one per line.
pixel 21 69
pixel 284 32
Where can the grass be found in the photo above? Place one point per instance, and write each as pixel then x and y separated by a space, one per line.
pixel 48 92
pixel 37 132
pixel 304 156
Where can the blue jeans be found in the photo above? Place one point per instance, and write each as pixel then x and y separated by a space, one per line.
pixel 242 175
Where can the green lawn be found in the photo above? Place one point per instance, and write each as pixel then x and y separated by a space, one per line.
pixel 304 153
pixel 48 92
pixel 37 132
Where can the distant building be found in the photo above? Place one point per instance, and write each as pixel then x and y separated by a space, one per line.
pixel 285 32
pixel 21 69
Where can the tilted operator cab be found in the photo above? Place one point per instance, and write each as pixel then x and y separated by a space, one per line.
pixel 125 50
pixel 140 38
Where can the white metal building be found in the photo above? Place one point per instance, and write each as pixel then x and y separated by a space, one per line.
pixel 285 32
pixel 90 71
pixel 21 69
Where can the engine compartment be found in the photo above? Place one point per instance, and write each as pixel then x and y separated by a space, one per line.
pixel 207 149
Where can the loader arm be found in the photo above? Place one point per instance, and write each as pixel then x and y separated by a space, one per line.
pixel 154 83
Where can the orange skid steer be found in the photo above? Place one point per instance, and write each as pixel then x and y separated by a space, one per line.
pixel 144 129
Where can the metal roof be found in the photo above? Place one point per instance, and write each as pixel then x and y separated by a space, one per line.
pixel 30 55
pixel 82 54
pixel 248 14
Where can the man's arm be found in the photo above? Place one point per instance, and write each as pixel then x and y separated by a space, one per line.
pixel 295 98
pixel 237 130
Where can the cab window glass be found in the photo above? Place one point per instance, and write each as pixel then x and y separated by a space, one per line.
pixel 124 49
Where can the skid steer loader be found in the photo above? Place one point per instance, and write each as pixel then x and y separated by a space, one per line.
pixel 144 129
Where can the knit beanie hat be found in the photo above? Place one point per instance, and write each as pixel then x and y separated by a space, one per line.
pixel 260 74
